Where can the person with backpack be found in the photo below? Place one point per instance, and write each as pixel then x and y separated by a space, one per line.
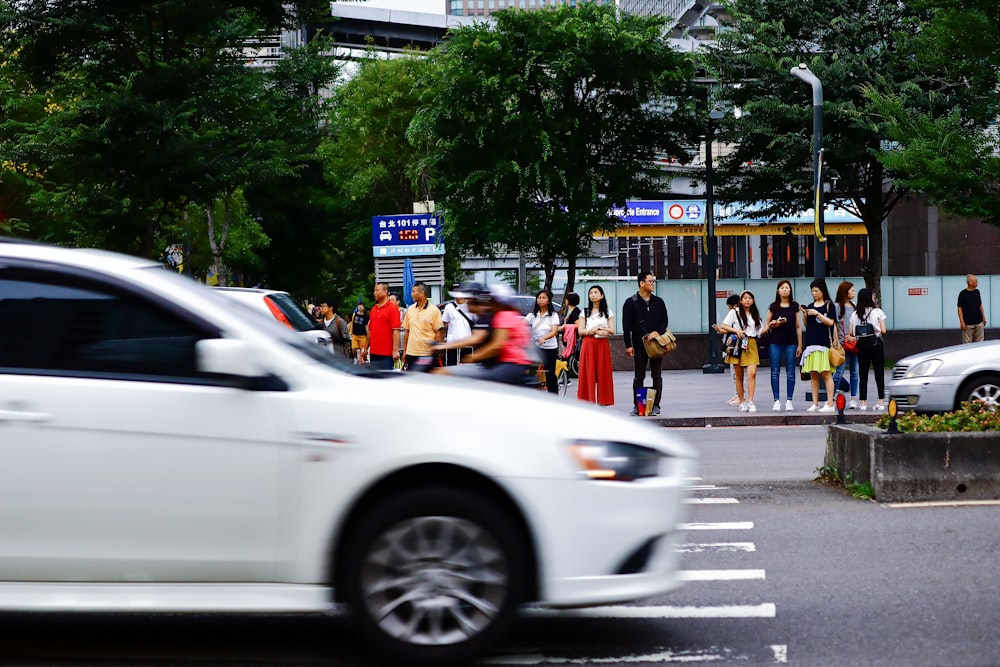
pixel 460 322
pixel 340 332
pixel 868 326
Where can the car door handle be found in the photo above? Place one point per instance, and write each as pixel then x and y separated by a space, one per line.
pixel 21 416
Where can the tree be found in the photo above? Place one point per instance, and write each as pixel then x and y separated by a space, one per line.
pixel 853 46
pixel 145 106
pixel 949 153
pixel 545 121
pixel 368 159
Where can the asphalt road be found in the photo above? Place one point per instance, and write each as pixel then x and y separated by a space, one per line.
pixel 781 570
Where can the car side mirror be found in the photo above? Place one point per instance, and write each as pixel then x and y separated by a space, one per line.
pixel 235 360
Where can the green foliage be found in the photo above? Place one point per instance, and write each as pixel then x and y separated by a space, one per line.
pixel 369 163
pixel 831 475
pixel 948 150
pixel 971 416
pixel 858 49
pixel 124 113
pixel 546 119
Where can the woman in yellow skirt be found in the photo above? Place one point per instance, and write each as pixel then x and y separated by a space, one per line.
pixel 817 320
pixel 745 321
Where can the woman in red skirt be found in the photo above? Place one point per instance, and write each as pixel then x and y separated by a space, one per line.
pixel 595 353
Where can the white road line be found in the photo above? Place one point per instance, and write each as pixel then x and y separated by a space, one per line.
pixel 780 653
pixel 720 575
pixel 706 487
pixel 944 503
pixel 711 501
pixel 716 546
pixel 708 655
pixel 764 610
pixel 731 525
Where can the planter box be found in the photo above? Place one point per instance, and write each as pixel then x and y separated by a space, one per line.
pixel 908 467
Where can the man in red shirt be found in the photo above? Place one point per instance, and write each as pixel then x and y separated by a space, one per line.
pixel 383 330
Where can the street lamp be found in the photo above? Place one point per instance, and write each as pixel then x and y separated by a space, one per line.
pixel 711 248
pixel 802 72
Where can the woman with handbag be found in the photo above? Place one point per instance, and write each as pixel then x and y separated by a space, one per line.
pixel 845 308
pixel 784 334
pixel 819 320
pixel 746 324
pixel 868 326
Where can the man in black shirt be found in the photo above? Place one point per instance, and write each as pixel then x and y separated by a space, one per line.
pixel 644 314
pixel 971 316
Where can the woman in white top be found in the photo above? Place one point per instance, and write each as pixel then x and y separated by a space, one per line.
pixel 595 326
pixel 745 321
pixel 871 351
pixel 544 322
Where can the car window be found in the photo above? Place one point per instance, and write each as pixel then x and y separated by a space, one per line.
pixel 292 311
pixel 47 324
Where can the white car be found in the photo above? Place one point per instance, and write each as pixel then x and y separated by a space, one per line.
pixel 940 380
pixel 161 452
pixel 280 306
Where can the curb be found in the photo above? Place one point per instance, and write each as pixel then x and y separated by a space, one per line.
pixel 761 420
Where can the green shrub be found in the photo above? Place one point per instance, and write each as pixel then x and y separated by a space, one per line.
pixel 972 416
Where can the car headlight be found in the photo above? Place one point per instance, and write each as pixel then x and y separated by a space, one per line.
pixel 614 461
pixel 923 369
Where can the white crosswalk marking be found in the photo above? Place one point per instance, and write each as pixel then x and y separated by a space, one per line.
pixel 720 575
pixel 764 610
pixel 711 501
pixel 692 548
pixel 730 525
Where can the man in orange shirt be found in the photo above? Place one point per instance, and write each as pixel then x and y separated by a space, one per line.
pixel 383 330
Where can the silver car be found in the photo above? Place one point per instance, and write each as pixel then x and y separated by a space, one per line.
pixel 940 380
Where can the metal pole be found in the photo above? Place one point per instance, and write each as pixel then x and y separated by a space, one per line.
pixel 714 365
pixel 819 240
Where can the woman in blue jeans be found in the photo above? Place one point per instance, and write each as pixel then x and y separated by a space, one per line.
pixel 784 333
pixel 845 308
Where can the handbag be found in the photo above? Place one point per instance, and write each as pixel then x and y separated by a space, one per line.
pixel 660 344
pixel 734 346
pixel 837 355
pixel 851 345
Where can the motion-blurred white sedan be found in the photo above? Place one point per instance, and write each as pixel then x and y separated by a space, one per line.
pixel 159 452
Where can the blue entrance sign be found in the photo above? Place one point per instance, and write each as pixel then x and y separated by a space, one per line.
pixel 406 235
pixel 660 212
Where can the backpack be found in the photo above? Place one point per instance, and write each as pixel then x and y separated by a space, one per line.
pixel 337 334
pixel 865 333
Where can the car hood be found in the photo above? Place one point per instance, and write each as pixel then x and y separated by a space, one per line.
pixel 960 355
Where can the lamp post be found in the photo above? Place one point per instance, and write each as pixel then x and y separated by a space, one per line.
pixel 714 365
pixel 802 72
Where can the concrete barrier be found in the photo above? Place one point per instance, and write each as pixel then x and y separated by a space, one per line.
pixel 910 467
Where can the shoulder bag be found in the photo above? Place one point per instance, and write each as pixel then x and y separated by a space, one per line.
pixel 837 355
pixel 659 345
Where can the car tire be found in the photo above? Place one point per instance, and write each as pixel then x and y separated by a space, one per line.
pixel 984 388
pixel 435 575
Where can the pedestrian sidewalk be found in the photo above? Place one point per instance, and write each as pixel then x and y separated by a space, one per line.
pixel 694 398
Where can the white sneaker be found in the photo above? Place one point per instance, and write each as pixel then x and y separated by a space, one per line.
pixel 753 407
pixel 744 407
pixel 777 406
pixel 878 408
pixel 827 408
pixel 812 408
pixel 788 406
pixel 863 407
pixel 853 405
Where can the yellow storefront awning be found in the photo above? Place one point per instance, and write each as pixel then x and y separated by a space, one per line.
pixel 770 229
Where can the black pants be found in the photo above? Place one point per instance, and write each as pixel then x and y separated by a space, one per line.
pixel 549 361
pixel 872 356
pixel 655 369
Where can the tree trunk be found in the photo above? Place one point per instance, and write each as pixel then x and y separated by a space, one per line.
pixel 570 273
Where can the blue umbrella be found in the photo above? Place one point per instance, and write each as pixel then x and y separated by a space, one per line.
pixel 408 280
